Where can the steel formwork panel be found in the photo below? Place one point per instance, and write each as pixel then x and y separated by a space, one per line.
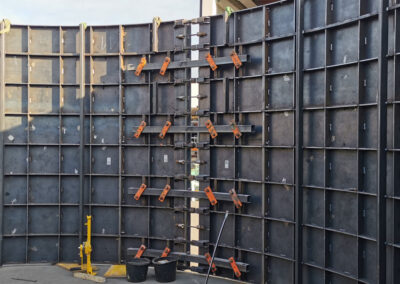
pixel 43 119
pixel 340 100
pixel 260 93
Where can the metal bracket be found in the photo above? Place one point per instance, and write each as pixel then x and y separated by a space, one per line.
pixel 211 62
pixel 234 267
pixel 166 252
pixel 140 191
pixel 210 196
pixel 208 258
pixel 164 67
pixel 140 252
pixel 211 129
pixel 235 59
pixel 164 193
pixel 141 65
pixel 235 129
pixel 165 129
pixel 235 198
pixel 140 129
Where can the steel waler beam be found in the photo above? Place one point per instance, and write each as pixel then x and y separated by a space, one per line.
pixel 196 129
pixel 190 64
pixel 191 194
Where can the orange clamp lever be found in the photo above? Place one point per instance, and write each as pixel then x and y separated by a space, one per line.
pixel 234 267
pixel 164 67
pixel 235 198
pixel 140 129
pixel 164 193
pixel 208 258
pixel 165 129
pixel 142 188
pixel 235 129
pixel 211 61
pixel 140 251
pixel 211 129
pixel 166 252
pixel 210 195
pixel 139 68
pixel 235 59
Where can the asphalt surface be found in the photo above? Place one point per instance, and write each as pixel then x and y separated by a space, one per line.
pixel 51 274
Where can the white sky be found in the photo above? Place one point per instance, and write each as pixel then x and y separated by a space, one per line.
pixel 95 12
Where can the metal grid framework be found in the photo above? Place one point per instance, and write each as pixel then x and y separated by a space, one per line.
pixel 317 167
pixel 340 141
pixel 260 164
pixel 46 194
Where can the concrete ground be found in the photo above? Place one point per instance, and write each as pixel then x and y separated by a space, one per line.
pixel 51 274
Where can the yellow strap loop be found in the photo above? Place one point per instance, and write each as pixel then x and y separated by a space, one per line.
pixel 157 20
pixel 7 27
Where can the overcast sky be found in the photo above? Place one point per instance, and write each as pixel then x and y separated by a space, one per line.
pixel 95 12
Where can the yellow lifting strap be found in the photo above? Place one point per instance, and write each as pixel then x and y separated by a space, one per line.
pixel 7 26
pixel 157 21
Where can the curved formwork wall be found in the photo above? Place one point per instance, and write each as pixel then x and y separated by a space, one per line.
pixel 315 167
pixel 51 114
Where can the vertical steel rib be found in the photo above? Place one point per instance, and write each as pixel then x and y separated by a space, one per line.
pixel 382 137
pixel 299 140
pixel 2 90
pixel 82 127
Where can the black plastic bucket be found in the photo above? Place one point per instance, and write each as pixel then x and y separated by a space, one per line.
pixel 136 269
pixel 165 268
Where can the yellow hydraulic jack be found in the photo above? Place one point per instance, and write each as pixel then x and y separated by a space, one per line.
pixel 88 248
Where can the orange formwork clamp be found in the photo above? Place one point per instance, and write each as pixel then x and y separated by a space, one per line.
pixel 139 68
pixel 165 129
pixel 140 251
pixel 235 59
pixel 166 252
pixel 164 193
pixel 211 129
pixel 235 129
pixel 140 129
pixel 164 67
pixel 235 198
pixel 211 61
pixel 208 258
pixel 139 193
pixel 233 264
pixel 210 195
